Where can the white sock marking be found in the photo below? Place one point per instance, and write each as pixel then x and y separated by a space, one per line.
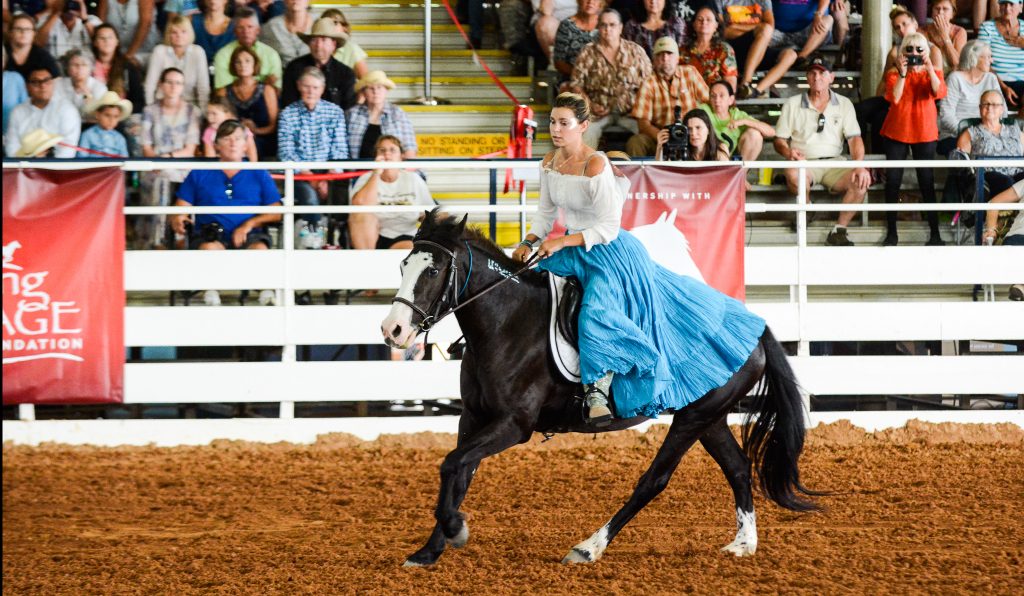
pixel 746 534
pixel 591 549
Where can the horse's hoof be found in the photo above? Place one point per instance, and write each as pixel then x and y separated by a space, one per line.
pixel 740 549
pixel 578 555
pixel 460 539
pixel 411 563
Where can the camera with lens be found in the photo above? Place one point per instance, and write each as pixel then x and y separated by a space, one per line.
pixel 72 6
pixel 211 232
pixel 915 60
pixel 677 148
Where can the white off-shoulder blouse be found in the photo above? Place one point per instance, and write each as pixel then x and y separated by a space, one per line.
pixel 591 205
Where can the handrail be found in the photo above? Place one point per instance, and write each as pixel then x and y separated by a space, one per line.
pixel 484 164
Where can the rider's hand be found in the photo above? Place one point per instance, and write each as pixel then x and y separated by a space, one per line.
pixel 550 247
pixel 521 253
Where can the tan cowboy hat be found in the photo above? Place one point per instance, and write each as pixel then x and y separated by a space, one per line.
pixel 325 28
pixel 375 77
pixel 111 98
pixel 37 142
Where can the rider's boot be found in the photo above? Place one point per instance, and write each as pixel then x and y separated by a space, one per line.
pixel 596 399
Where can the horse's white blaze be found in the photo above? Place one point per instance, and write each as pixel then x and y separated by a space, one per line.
pixel 746 534
pixel 400 314
pixel 589 550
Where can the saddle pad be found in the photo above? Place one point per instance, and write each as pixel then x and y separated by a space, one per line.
pixel 566 356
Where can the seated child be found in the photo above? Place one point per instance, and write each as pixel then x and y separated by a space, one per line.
pixel 217 111
pixel 108 111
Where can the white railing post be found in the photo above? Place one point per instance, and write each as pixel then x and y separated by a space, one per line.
pixel 803 346
pixel 288 293
pixel 26 412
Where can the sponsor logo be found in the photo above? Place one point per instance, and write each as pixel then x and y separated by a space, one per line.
pixel 36 326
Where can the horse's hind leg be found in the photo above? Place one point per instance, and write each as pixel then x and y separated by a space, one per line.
pixel 725 450
pixel 681 435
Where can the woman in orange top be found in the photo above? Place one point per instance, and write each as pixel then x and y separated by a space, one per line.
pixel 911 88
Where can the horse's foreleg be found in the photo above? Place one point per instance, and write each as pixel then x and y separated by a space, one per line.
pixel 493 438
pixel 726 451
pixel 681 436
pixel 435 545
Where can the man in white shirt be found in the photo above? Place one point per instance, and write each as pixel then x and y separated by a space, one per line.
pixel 42 110
pixel 815 126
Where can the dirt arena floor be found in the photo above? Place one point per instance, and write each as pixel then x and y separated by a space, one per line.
pixel 927 509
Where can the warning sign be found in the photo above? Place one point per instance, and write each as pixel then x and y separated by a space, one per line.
pixel 445 145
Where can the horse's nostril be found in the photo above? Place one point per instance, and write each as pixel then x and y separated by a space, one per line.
pixel 396 331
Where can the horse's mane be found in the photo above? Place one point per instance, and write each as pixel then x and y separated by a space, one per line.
pixel 448 230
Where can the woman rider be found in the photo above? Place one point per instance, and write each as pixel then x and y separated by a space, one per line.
pixel 658 340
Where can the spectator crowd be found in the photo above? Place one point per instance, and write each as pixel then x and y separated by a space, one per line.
pixel 265 79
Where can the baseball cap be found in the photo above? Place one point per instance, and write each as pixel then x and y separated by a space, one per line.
pixel 1010 1
pixel 819 63
pixel 665 44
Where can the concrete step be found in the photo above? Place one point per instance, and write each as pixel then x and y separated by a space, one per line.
pixel 409 62
pixel 405 35
pixel 384 12
pixel 465 118
pixel 467 89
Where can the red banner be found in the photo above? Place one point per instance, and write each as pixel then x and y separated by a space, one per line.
pixel 709 211
pixel 63 284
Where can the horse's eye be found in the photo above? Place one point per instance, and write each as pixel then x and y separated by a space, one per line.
pixel 432 272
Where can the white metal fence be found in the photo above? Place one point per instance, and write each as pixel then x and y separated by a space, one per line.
pixel 798 318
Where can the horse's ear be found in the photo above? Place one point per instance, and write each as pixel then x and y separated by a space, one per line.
pixel 461 226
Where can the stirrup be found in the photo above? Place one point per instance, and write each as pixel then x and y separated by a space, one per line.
pixel 598 414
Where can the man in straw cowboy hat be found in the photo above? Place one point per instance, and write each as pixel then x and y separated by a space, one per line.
pixel 43 111
pixel 108 111
pixel 376 117
pixel 325 37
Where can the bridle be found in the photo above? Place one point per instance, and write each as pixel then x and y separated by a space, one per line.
pixel 433 314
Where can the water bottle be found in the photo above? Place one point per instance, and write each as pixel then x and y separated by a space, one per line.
pixel 302 234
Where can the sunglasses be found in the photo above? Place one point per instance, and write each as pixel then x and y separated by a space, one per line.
pixel 821 122
pixel 913 50
pixel 39 81
pixel 991 105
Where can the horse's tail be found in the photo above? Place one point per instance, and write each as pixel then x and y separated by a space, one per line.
pixel 773 433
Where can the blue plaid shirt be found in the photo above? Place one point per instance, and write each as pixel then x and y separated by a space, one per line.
pixel 393 121
pixel 317 135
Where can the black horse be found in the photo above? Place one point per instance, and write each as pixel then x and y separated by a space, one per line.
pixel 511 388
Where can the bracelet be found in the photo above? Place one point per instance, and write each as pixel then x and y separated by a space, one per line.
pixel 527 243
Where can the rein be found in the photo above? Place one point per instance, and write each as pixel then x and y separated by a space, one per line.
pixel 430 319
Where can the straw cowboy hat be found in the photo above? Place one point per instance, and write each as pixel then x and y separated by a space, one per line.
pixel 375 77
pixel 37 142
pixel 326 28
pixel 111 98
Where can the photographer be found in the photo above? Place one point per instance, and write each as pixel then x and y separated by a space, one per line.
pixel 912 87
pixel 672 88
pixel 691 138
pixel 217 188
pixel 66 27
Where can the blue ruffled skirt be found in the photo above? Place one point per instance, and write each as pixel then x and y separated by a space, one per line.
pixel 669 339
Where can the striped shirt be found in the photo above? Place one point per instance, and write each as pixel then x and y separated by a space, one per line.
pixel 1007 60
pixel 393 121
pixel 658 97
pixel 317 135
